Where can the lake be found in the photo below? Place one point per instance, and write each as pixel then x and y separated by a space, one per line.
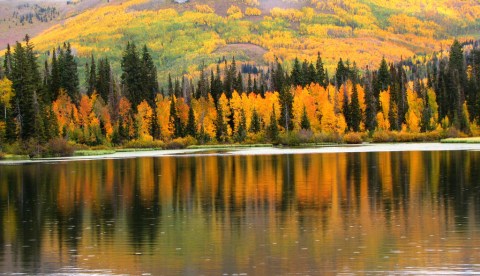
pixel 413 212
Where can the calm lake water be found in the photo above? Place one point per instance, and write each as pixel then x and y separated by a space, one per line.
pixel 365 213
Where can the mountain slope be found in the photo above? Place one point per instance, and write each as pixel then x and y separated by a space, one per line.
pixel 182 36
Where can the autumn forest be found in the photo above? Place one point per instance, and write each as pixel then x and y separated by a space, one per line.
pixel 46 108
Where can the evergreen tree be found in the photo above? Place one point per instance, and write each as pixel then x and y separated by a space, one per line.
pixel 149 80
pixel 177 90
pixel 104 80
pixel 216 85
pixel 55 77
pixel 320 76
pixel 131 76
pixel 202 88
pixel 91 77
pixel 286 109
pixel 239 83
pixel 155 127
pixel 7 62
pixel 342 73
pixel 241 134
pixel 221 126
pixel 175 120
pixel 68 73
pixel 272 129
pixel 278 77
pixel 249 84
pixel 171 92
pixel 26 82
pixel 296 75
pixel 255 124
pixel 305 122
pixel 370 104
pixel 355 111
pixel 383 78
pixel 311 74
pixel 191 128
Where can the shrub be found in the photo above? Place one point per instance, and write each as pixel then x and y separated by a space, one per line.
pixel 353 138
pixel 141 144
pixel 33 148
pixel 327 137
pixel 383 136
pixel 2 155
pixel 181 143
pixel 58 147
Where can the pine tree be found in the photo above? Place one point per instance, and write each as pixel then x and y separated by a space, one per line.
pixel 155 127
pixel 104 80
pixel 286 109
pixel 341 74
pixel 171 92
pixel 370 104
pixel 296 75
pixel 149 81
pixel 241 134
pixel 91 77
pixel 26 82
pixel 55 77
pixel 239 83
pixel 355 111
pixel 191 128
pixel 320 76
pixel 131 76
pixel 255 124
pixel 272 129
pixel 383 78
pixel 7 62
pixel 68 73
pixel 175 120
pixel 305 122
pixel 221 126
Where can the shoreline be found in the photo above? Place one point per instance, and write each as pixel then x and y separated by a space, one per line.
pixel 215 151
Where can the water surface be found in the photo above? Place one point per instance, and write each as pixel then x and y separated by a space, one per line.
pixel 361 212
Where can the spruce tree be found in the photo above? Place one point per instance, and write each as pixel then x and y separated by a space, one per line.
pixel 305 122
pixel 55 77
pixel 149 81
pixel 370 104
pixel 255 124
pixel 7 62
pixel 286 109
pixel 104 80
pixel 191 128
pixel 320 76
pixel 241 134
pixel 175 120
pixel 68 73
pixel 131 76
pixel 272 129
pixel 296 75
pixel 220 126
pixel 355 111
pixel 91 77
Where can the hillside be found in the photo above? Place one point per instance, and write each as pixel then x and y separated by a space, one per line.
pixel 34 16
pixel 182 36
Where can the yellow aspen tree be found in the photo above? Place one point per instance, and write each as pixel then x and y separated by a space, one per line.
pixel 144 121
pixel 162 105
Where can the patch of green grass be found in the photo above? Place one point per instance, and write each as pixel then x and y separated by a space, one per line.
pixel 228 146
pixel 137 149
pixel 93 152
pixel 468 140
pixel 14 157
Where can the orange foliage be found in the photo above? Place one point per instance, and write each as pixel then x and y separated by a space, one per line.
pixel 144 121
pixel 66 113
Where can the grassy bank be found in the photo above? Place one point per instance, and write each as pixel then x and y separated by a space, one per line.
pixel 469 140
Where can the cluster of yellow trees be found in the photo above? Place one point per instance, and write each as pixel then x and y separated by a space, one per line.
pixel 323 107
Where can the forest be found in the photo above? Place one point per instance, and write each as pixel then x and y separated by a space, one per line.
pixel 46 112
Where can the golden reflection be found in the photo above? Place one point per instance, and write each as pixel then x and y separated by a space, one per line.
pixel 232 214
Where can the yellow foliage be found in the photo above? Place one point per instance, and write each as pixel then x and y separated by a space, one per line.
pixel 163 115
pixel 206 114
pixel 253 11
pixel 234 12
pixel 204 8
pixel 144 121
